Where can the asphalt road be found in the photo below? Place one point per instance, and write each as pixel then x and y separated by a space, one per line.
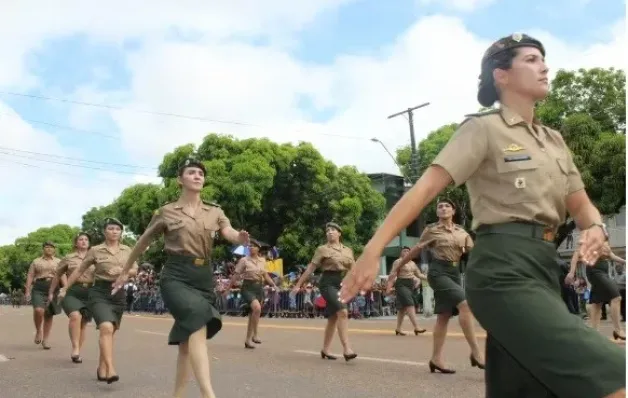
pixel 286 364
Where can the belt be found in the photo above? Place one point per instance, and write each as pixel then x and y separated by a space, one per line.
pixel 194 260
pixel 84 284
pixel 43 279
pixel 535 231
pixel 447 262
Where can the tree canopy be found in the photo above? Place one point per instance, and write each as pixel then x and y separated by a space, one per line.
pixel 588 107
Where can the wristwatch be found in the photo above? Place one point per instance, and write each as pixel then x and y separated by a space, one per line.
pixel 604 230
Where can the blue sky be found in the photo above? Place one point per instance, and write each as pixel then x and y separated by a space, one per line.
pixel 367 27
pixel 342 70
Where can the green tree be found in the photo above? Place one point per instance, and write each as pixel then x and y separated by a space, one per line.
pixel 588 107
pixel 427 151
pixel 15 259
pixel 281 193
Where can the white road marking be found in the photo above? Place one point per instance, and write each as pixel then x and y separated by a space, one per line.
pixel 149 332
pixel 372 359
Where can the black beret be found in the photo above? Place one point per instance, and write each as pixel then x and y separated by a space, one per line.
pixel 113 221
pixel 446 200
pixel 515 40
pixel 333 225
pixel 191 162
pixel 48 243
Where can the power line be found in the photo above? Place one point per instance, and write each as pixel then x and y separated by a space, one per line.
pixel 79 160
pixel 60 126
pixel 52 170
pixel 159 113
pixel 76 165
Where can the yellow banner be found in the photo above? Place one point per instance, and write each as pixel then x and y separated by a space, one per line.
pixel 275 266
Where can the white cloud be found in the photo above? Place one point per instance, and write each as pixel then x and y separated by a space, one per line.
pixel 436 60
pixel 459 5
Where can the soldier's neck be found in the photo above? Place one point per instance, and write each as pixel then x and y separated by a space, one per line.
pixel 447 223
pixel 47 257
pixel 524 107
pixel 190 198
pixel 81 252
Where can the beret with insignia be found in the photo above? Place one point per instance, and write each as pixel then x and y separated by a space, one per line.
pixel 49 244
pixel 113 221
pixel 191 162
pixel 515 40
pixel 333 225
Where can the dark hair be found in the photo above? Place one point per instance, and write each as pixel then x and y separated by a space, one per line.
pixel 487 92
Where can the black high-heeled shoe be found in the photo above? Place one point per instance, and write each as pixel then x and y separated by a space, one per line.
pixel 324 355
pixel 113 379
pixel 475 362
pixel 349 357
pixel 617 336
pixel 398 333
pixel 434 368
pixel 76 358
pixel 249 346
pixel 256 341
pixel 99 377
pixel 419 331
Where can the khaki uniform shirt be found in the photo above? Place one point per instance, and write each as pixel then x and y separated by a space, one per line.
pixel 250 268
pixel 444 243
pixel 71 263
pixel 44 268
pixel 513 171
pixel 188 234
pixel 408 271
pixel 333 258
pixel 107 265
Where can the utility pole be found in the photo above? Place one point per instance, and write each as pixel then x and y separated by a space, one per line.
pixel 414 158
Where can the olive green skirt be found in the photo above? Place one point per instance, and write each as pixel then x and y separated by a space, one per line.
pixel 534 347
pixel 39 298
pixel 188 293
pixel 252 290
pixel 603 288
pixel 329 286
pixel 105 307
pixel 76 299
pixel 444 279
pixel 404 291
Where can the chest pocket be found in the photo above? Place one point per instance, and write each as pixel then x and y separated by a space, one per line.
pixel 211 228
pixel 518 179
pixel 174 224
pixel 561 179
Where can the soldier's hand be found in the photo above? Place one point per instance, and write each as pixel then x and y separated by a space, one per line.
pixel 591 242
pixel 360 277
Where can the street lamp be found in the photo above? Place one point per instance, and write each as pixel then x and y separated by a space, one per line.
pixel 392 157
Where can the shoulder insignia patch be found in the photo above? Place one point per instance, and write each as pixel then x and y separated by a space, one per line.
pixel 213 204
pixel 484 113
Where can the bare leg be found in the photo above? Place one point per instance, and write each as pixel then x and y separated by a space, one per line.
pixel 438 335
pixel 618 394
pixel 47 329
pixel 465 318
pixel 256 314
pixel 595 315
pixel 330 329
pixel 83 333
pixel 105 343
pixel 400 314
pixel 343 331
pixel 616 315
pixel 183 371
pixel 38 320
pixel 411 311
pixel 75 328
pixel 199 361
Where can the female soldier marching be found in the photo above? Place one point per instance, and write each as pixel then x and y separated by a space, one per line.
pixel 40 275
pixel 334 259
pixel 402 276
pixel 252 269
pixel 189 226
pixel 75 302
pixel 447 242
pixel 603 289
pixel 522 182
pixel 107 260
